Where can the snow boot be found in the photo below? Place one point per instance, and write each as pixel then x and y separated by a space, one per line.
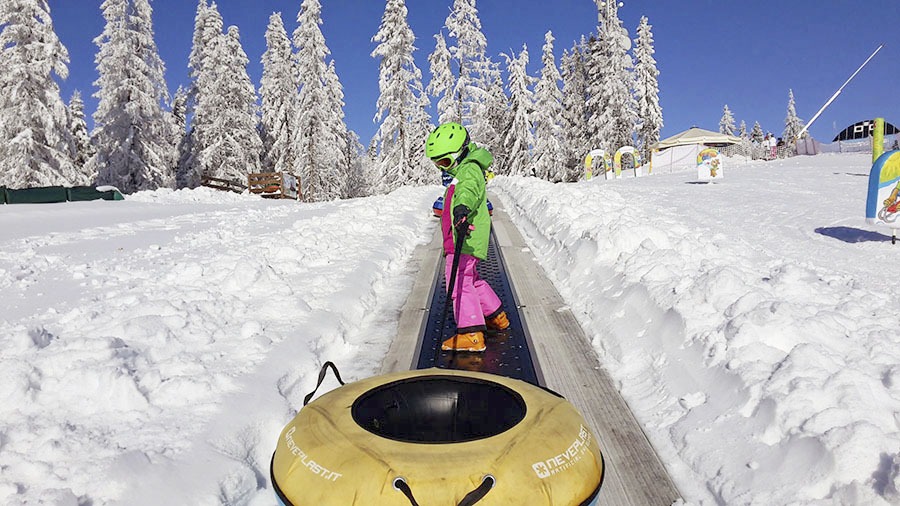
pixel 499 322
pixel 471 341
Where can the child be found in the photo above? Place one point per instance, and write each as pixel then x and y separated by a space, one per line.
pixel 475 305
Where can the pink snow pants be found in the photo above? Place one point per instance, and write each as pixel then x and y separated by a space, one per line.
pixel 473 297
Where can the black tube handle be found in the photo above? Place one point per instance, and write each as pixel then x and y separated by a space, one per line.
pixel 324 370
pixel 487 483
pixel 401 485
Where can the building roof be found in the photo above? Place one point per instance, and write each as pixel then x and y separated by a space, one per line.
pixel 696 135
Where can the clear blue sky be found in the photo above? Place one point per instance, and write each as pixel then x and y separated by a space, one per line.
pixel 710 53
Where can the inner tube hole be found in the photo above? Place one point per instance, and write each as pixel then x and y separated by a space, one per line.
pixel 439 409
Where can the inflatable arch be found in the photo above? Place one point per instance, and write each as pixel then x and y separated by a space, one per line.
pixel 597 162
pixel 635 157
pixel 883 200
pixel 863 130
pixel 709 165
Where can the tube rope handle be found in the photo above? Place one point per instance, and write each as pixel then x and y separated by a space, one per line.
pixel 401 485
pixel 487 483
pixel 322 372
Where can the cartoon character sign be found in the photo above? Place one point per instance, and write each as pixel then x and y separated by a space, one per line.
pixel 709 165
pixel 635 157
pixel 888 213
pixel 883 201
pixel 597 162
pixel 291 186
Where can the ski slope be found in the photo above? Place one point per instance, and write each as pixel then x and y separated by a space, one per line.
pixel 151 349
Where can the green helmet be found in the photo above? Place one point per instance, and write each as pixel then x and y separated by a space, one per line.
pixel 446 144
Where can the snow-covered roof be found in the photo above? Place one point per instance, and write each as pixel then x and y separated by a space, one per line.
pixel 696 135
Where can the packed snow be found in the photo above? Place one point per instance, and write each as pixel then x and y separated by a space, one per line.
pixel 151 349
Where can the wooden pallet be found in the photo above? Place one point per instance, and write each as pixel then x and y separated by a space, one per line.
pixel 274 185
pixel 217 183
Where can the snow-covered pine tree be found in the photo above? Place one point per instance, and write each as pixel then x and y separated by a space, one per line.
pixel 574 108
pixel 355 163
pixel 489 118
pixel 443 82
pixel 401 105
pixel 726 124
pixel 231 147
pixel 182 137
pixel 549 152
pixel 82 150
pixel 208 26
pixel 206 29
pixel 134 137
pixel 179 112
pixel 595 63
pixel 423 171
pixel 614 122
pixel 468 53
pixel 35 145
pixel 499 117
pixel 519 139
pixel 746 144
pixel 318 154
pixel 757 135
pixel 646 90
pixel 792 124
pixel 367 171
pixel 338 180
pixel 278 94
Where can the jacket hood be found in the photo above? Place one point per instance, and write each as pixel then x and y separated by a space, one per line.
pixel 480 156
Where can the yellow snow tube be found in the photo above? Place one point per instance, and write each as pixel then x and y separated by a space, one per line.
pixel 437 437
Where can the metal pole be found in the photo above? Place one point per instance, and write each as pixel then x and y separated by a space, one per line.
pixel 838 92
pixel 878 139
pixel 609 4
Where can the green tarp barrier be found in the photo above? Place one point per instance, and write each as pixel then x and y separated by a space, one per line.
pixel 54 194
pixel 82 193
pixel 43 195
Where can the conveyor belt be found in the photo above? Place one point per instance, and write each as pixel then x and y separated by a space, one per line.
pixel 507 353
pixel 564 358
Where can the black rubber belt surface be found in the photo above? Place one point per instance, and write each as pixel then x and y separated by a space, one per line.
pixel 507 352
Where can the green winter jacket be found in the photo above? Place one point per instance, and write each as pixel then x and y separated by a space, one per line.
pixel 468 189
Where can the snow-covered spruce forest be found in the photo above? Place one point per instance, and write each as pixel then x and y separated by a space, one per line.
pixel 602 93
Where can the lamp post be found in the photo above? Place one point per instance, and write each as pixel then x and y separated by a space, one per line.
pixel 609 23
pixel 611 9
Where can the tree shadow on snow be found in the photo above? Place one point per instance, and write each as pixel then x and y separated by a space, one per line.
pixel 882 476
pixel 850 234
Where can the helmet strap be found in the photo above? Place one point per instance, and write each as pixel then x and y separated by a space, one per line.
pixel 464 152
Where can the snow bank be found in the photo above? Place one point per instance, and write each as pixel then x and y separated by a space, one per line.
pixel 153 359
pixel 757 347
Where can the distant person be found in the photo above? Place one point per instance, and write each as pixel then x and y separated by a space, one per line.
pixel 772 145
